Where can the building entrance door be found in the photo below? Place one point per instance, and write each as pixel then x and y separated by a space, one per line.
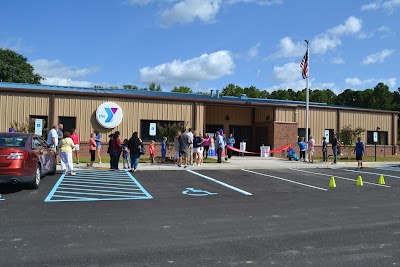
pixel 241 134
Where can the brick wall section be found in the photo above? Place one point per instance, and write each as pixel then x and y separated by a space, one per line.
pixel 283 133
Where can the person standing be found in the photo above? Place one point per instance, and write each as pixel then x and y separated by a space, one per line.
pixel 75 138
pixel 163 149
pixel 198 142
pixel 335 148
pixel 125 154
pixel 152 151
pixel 52 138
pixel 219 146
pixel 110 150
pixel 133 145
pixel 117 149
pixel 230 143
pixel 66 145
pixel 359 150
pixel 60 135
pixel 324 150
pixel 92 149
pixel 183 148
pixel 206 144
pixel 190 135
pixel 176 147
pixel 302 148
pixel 311 145
pixel 98 144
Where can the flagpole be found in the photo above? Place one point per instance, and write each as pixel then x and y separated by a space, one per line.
pixel 307 97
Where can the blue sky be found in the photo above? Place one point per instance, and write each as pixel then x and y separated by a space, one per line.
pixel 207 44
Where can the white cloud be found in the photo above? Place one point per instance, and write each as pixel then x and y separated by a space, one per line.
pixel 56 69
pixel 56 73
pixel 288 49
pixel 259 2
pixel 203 68
pixel 66 82
pixel 378 57
pixel 370 6
pixel 187 11
pixel 337 61
pixel 287 73
pixel 357 82
pixel 15 44
pixel 389 6
pixel 351 26
pixel 253 51
pixel 323 43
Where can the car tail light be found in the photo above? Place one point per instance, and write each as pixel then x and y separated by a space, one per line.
pixel 17 155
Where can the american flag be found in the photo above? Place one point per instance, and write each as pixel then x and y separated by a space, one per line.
pixel 304 66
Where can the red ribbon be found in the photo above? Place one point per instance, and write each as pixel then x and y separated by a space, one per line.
pixel 248 152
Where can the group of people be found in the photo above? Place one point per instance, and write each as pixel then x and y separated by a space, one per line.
pixel 130 150
pixel 359 149
pixel 65 143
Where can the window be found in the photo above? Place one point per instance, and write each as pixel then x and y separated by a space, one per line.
pixel 330 133
pixel 44 123
pixel 213 128
pixel 301 132
pixel 145 129
pixel 382 138
pixel 68 123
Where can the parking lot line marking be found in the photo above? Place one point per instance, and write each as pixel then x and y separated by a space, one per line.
pixel 95 186
pixel 99 185
pixel 386 175
pixel 287 180
pixel 390 168
pixel 339 177
pixel 222 183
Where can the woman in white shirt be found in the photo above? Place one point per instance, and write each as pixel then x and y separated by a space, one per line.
pixel 66 145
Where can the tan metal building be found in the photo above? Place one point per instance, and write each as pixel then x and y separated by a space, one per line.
pixel 256 121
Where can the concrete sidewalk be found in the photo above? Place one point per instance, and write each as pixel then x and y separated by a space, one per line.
pixel 243 163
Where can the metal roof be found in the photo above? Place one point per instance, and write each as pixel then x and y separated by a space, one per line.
pixel 193 97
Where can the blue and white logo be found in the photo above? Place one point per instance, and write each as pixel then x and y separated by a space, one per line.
pixel 109 115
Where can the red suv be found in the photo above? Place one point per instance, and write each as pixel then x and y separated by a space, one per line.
pixel 25 158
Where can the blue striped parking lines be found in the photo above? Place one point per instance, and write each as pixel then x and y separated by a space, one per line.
pixel 389 168
pixel 97 185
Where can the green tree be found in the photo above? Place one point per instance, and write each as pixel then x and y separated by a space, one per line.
pixel 252 92
pixel 170 130
pixel 16 69
pixel 347 137
pixel 182 89
pixel 232 90
pixel 130 87
pixel 154 87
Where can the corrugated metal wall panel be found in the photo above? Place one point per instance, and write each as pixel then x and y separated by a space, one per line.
pixel 368 122
pixel 264 115
pixel 285 114
pixel 84 109
pixel 237 115
pixel 18 107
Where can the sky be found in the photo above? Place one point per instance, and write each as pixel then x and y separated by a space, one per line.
pixel 207 44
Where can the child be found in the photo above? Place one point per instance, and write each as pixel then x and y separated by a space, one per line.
pixel 151 149
pixel 92 145
pixel 125 154
pixel 163 149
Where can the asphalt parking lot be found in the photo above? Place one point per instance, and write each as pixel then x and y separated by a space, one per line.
pixel 259 217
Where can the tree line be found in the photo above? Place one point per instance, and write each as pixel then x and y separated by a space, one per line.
pixel 15 68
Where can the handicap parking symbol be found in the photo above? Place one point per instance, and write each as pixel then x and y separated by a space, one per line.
pixel 197 192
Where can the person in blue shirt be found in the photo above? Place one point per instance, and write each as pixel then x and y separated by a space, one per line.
pixel 231 142
pixel 163 149
pixel 359 150
pixel 302 148
pixel 97 139
pixel 335 145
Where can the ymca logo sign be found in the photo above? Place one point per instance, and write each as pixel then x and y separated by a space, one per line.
pixel 109 115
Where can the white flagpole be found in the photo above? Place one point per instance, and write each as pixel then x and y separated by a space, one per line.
pixel 307 97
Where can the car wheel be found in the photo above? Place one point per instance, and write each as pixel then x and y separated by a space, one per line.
pixel 36 178
pixel 54 170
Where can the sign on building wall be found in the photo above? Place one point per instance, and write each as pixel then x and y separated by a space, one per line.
pixel 152 129
pixel 109 115
pixel 38 126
